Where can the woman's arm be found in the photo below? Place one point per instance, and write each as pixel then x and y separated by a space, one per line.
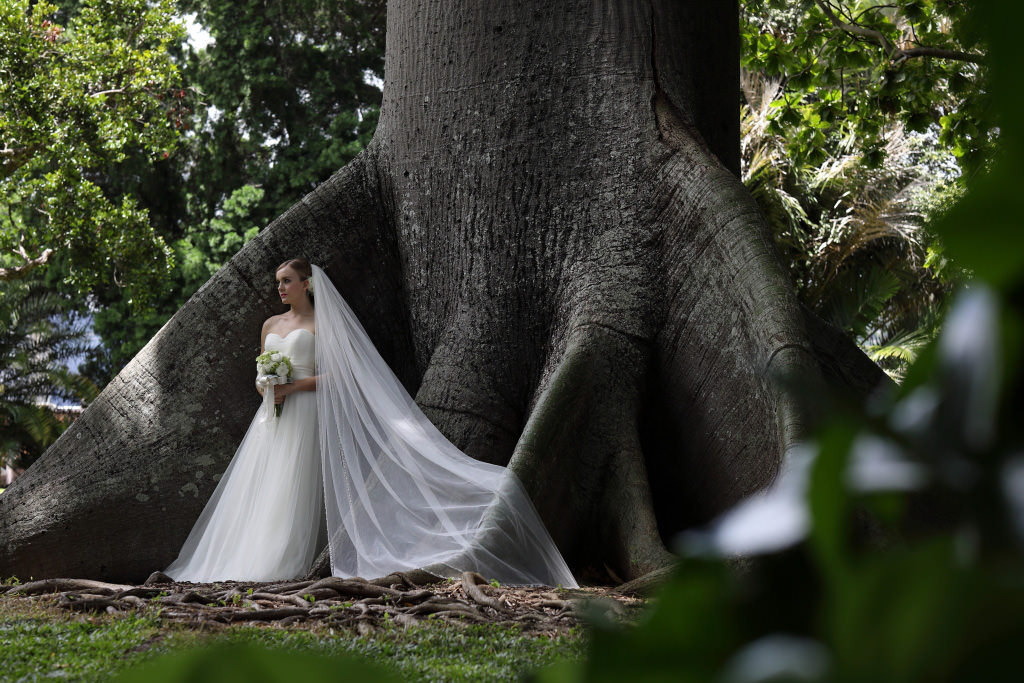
pixel 304 384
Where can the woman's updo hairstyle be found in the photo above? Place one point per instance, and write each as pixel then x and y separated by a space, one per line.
pixel 302 267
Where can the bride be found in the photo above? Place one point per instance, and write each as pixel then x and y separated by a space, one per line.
pixel 351 441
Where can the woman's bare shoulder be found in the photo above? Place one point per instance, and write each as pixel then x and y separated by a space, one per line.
pixel 270 323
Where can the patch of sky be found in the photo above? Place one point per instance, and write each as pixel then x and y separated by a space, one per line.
pixel 371 78
pixel 198 37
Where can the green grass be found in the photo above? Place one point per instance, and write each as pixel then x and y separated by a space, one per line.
pixel 38 649
pixel 472 653
pixel 40 643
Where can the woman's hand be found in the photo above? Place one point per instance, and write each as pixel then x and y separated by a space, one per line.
pixel 283 390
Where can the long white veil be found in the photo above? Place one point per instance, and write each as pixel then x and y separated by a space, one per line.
pixel 398 494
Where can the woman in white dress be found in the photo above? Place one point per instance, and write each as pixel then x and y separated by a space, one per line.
pixel 395 494
pixel 264 518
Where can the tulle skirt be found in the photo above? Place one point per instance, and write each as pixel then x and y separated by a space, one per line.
pixel 264 519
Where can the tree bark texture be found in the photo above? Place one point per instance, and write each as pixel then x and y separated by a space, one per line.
pixel 548 243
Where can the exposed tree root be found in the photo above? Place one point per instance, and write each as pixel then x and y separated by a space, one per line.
pixel 645 585
pixel 354 604
pixel 471 582
pixel 158 577
pixel 63 585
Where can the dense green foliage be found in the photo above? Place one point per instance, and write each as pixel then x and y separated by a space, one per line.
pixel 133 166
pixel 855 235
pixel 285 97
pixel 286 102
pixel 849 69
pixel 850 145
pixel 75 101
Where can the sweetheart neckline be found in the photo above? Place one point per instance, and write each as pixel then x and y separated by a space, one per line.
pixel 290 333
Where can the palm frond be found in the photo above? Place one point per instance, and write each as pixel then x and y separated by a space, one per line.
pixel 895 350
pixel 27 431
pixel 37 339
pixel 859 299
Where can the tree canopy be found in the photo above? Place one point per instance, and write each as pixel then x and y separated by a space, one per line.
pixel 851 148
pixel 287 98
pixel 846 69
pixel 286 94
pixel 75 102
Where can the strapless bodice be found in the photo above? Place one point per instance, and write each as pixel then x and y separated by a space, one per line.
pixel 300 346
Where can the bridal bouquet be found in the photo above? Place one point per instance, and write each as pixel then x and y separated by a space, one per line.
pixel 272 368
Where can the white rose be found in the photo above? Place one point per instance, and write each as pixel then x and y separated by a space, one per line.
pixel 262 368
pixel 282 371
pixel 275 357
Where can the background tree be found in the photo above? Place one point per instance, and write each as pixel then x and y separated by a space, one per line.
pixel 845 150
pixel 285 96
pixel 73 103
pixel 854 235
pixel 851 68
pixel 289 97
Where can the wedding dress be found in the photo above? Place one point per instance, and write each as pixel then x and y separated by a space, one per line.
pixel 264 518
pixel 397 495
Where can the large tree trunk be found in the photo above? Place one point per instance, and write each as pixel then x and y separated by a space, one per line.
pixel 548 243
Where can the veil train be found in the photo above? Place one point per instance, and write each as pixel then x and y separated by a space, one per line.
pixel 399 495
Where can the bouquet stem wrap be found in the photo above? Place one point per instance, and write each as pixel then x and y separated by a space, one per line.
pixel 267 409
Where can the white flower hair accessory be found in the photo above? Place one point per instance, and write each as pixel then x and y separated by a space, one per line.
pixel 309 280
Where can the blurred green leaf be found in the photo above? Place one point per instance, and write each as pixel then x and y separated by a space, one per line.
pixel 980 230
pixel 243 663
